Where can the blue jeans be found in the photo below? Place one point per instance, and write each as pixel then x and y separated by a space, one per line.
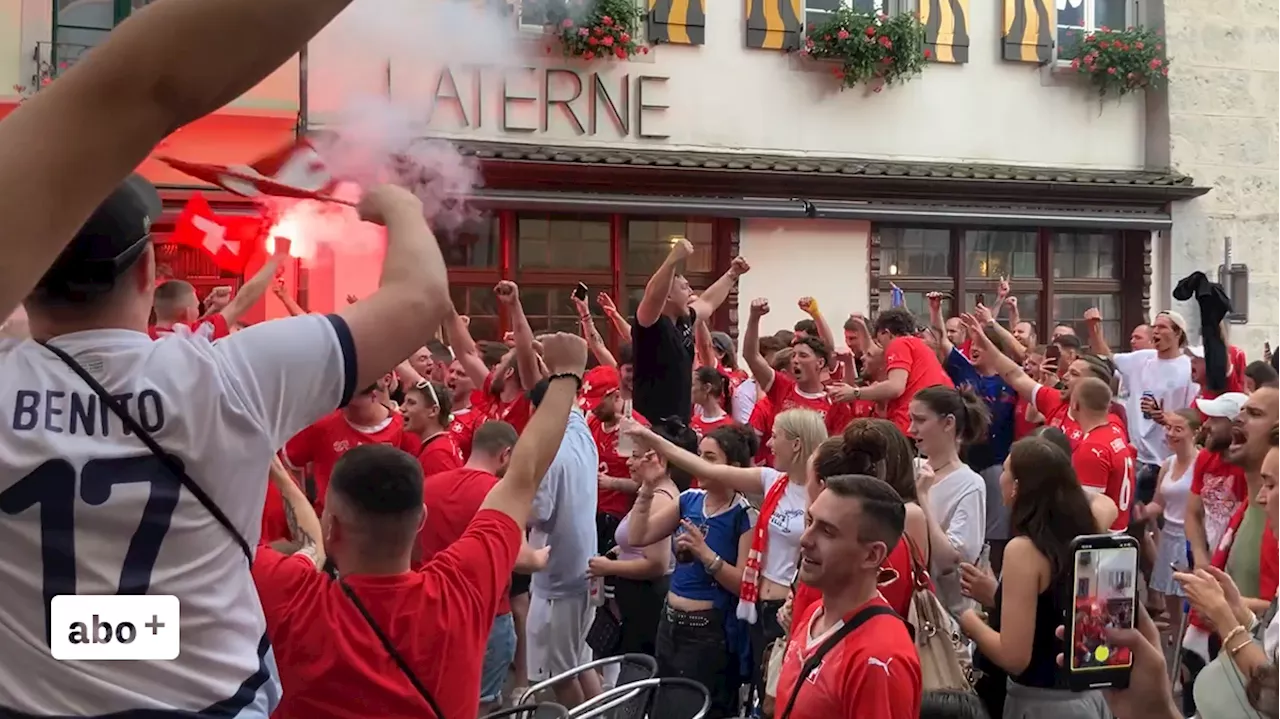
pixel 498 655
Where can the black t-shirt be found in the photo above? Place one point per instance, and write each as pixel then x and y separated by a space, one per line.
pixel 663 384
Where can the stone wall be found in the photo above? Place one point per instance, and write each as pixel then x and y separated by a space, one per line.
pixel 1223 104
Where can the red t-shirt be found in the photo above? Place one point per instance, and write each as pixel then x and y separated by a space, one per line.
pixel 872 672
pixel 331 662
pixel 1222 488
pixel 611 501
pixel 1235 376
pixel 702 426
pixel 453 499
pixel 439 454
pixel 923 370
pixel 465 421
pixel 213 327
pixel 1050 404
pixel 1021 425
pixel 761 420
pixel 515 412
pixel 785 395
pixel 1104 463
pixel 323 443
pixel 896 585
pixel 275 525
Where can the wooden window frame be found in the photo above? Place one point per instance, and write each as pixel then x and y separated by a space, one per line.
pixel 1134 258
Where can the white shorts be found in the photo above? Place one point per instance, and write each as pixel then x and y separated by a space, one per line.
pixel 557 635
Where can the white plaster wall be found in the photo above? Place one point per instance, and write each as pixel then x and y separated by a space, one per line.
pixel 790 259
pixel 1224 123
pixel 722 96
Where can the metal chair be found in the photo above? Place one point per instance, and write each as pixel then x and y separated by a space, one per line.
pixel 631 668
pixel 542 710
pixel 660 698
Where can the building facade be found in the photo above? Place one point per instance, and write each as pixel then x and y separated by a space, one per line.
pixel 997 161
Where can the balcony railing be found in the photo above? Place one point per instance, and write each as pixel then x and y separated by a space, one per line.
pixel 52 59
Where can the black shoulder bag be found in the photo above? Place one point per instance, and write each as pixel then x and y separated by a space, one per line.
pixel 811 664
pixel 175 468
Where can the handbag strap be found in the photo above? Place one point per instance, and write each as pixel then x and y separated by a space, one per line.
pixel 845 630
pixel 391 649
pixel 169 461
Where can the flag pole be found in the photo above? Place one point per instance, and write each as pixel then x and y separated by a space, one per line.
pixel 300 130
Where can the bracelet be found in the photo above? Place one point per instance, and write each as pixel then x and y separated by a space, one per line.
pixel 1233 633
pixel 1236 649
pixel 715 565
pixel 565 375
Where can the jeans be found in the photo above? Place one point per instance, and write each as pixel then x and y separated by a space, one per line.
pixel 692 645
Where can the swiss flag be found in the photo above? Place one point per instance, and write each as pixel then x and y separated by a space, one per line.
pixel 295 170
pixel 222 238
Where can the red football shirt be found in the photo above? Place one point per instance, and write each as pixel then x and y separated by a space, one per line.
pixel 611 501
pixel 702 426
pixel 213 327
pixel 1222 488
pixel 1104 463
pixel 515 412
pixel 465 421
pixel 439 454
pixel 761 420
pixel 1021 425
pixel 785 395
pixel 872 672
pixel 1050 404
pixel 332 665
pixel 274 523
pixel 453 499
pixel 323 443
pixel 923 370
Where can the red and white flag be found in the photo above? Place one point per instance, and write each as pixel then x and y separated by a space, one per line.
pixel 199 227
pixel 295 170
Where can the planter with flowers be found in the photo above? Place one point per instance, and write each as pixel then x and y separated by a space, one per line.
pixel 1119 62
pixel 595 29
pixel 868 48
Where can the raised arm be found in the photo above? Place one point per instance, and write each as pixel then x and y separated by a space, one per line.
pixel 809 306
pixel 760 370
pixel 566 357
pixel 710 299
pixel 659 286
pixel 704 351
pixel 253 290
pixel 654 517
pixel 1012 373
pixel 464 347
pixel 66 149
pixel 304 525
pixel 747 480
pixel 386 327
pixel 526 356
pixel 616 320
pixel 595 342
pixel 286 299
pixel 938 323
pixel 1097 340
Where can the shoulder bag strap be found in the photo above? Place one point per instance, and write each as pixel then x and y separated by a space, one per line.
pixel 169 462
pixel 391 650
pixel 812 662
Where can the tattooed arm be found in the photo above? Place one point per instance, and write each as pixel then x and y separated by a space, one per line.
pixel 304 525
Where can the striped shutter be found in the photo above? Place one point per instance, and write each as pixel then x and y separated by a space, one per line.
pixel 946 29
pixel 679 22
pixel 1028 30
pixel 774 24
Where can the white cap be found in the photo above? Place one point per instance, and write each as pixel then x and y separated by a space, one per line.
pixel 1226 405
pixel 1196 351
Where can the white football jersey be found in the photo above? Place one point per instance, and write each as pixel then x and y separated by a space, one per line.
pixel 77 490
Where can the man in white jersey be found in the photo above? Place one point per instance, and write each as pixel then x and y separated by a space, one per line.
pixel 85 508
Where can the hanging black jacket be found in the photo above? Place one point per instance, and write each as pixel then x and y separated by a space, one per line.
pixel 1215 305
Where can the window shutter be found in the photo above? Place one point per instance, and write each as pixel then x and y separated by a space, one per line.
pixel 774 24
pixel 679 22
pixel 946 29
pixel 1028 30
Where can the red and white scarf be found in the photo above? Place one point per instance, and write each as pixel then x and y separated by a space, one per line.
pixel 749 593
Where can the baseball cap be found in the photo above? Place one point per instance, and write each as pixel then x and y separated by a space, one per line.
pixel 721 341
pixel 598 383
pixel 108 243
pixel 1226 405
pixel 1196 351
pixel 1176 318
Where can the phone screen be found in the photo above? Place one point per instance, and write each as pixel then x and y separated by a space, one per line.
pixel 580 291
pixel 1104 597
pixel 1053 353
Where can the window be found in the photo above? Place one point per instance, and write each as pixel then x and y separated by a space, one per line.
pixel 817 12
pixel 481 306
pixel 649 241
pixel 1077 18
pixel 473 245
pixel 79 25
pixel 1055 274
pixel 550 309
pixel 568 241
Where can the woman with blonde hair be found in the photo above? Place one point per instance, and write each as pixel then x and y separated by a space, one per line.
pixel 775 539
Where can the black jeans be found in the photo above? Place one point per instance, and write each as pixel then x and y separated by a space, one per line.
pixel 763 633
pixel 640 603
pixel 692 645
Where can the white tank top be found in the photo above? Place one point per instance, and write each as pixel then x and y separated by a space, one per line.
pixel 1176 490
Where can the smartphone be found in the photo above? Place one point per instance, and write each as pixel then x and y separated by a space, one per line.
pixel 1053 353
pixel 1102 595
pixel 982 299
pixel 580 292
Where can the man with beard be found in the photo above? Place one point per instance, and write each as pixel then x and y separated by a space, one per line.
pixel 1245 540
pixel 866 661
pixel 452 499
pixel 1217 486
pixel 467 372
pixel 602 400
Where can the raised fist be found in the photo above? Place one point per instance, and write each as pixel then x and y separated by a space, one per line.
pixel 739 267
pixel 564 353
pixel 507 292
pixel 759 307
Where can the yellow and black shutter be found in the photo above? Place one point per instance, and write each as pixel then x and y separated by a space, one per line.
pixel 946 29
pixel 1028 30
pixel 679 22
pixel 775 24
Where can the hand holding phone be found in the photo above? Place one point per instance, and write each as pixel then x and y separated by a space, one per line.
pixel 1102 597
pixel 580 292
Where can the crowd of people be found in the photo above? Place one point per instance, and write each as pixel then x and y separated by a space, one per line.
pixel 810 526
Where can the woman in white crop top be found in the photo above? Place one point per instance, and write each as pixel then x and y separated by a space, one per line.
pixel 1173 488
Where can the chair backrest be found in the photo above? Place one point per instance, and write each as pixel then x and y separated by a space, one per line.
pixel 541 710
pixel 631 667
pixel 662 697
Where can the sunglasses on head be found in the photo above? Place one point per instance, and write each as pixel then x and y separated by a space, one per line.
pixel 428 389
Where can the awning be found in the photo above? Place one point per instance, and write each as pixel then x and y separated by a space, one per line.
pixel 1111 217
